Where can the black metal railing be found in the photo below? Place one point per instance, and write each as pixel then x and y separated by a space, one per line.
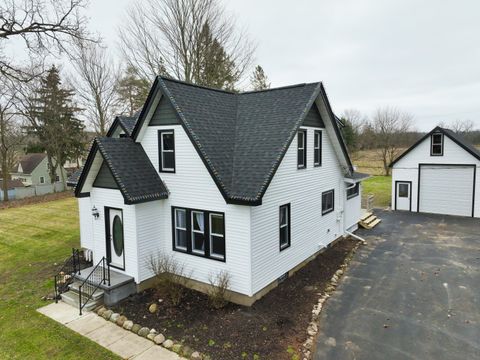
pixel 65 275
pixel 99 275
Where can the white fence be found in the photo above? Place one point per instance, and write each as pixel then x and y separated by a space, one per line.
pixel 38 190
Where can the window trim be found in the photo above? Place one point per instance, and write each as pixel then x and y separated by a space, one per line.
pixel 160 151
pixel 441 144
pixel 280 227
pixel 193 231
pixel 328 211
pixel 357 188
pixel 317 151
pixel 206 215
pixel 304 132
pixel 42 179
pixel 212 234
pixel 175 227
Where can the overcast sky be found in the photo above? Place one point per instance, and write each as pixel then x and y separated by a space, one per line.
pixel 420 56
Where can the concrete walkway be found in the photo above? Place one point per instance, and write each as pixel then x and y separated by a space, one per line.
pixel 105 333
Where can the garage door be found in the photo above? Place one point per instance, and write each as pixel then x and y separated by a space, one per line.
pixel 446 189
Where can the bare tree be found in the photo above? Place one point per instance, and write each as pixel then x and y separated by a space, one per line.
pixel 11 134
pixel 259 79
pixel 462 126
pixel 168 37
pixel 42 27
pixel 390 125
pixel 96 81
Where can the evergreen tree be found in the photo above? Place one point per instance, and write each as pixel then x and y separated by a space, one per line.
pixel 132 91
pixel 259 79
pixel 350 135
pixel 52 119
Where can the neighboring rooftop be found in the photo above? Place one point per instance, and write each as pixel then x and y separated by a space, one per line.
pixel 12 184
pixel 29 162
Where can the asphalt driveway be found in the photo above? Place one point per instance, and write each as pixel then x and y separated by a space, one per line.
pixel 413 292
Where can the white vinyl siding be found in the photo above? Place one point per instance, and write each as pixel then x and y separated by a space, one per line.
pixel 406 169
pixel 86 223
pixel 310 231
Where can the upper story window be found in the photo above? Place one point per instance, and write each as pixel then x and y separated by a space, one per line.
pixel 42 180
pixel 353 191
pixel 328 201
pixel 302 149
pixel 436 148
pixel 284 226
pixel 166 147
pixel 317 148
pixel 199 232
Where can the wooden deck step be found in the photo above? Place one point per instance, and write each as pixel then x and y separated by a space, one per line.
pixel 365 216
pixel 369 221
pixel 375 223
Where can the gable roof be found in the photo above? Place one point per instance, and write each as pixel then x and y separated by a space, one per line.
pixel 12 184
pixel 457 138
pixel 29 162
pixel 240 137
pixel 131 168
pixel 127 123
pixel 73 179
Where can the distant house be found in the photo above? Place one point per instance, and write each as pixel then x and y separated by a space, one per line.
pixel 438 175
pixel 32 170
pixel 251 183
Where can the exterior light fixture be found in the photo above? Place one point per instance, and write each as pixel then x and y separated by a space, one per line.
pixel 95 212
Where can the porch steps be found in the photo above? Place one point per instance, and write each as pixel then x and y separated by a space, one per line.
pixel 71 297
pixel 369 221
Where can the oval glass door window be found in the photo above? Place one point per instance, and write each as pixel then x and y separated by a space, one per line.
pixel 118 235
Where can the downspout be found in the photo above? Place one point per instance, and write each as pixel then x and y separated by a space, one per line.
pixel 364 242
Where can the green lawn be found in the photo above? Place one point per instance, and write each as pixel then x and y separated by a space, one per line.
pixel 381 187
pixel 32 239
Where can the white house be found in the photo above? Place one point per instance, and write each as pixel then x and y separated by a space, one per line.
pixel 253 183
pixel 438 175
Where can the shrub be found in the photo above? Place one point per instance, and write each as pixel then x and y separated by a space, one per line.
pixel 170 275
pixel 219 284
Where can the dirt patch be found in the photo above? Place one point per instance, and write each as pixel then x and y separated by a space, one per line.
pixel 35 200
pixel 273 328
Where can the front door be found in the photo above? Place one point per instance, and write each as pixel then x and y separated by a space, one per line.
pixel 403 195
pixel 115 238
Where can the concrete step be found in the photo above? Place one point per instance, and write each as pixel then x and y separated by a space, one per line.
pixel 97 295
pixel 72 299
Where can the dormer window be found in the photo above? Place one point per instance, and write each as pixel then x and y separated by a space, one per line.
pixel 166 153
pixel 436 148
pixel 302 149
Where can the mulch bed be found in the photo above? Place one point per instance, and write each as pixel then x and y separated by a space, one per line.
pixel 35 199
pixel 273 328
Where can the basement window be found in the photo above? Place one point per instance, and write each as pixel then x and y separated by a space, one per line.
pixel 436 148
pixel 328 201
pixel 302 149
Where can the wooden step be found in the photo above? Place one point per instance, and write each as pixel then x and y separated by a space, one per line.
pixel 370 219
pixel 375 223
pixel 365 216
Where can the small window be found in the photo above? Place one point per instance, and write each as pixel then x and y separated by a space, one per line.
pixel 181 229
pixel 353 191
pixel 166 145
pixel 284 225
pixel 437 144
pixel 403 190
pixel 328 201
pixel 217 236
pixel 42 180
pixel 302 149
pixel 57 178
pixel 317 148
pixel 198 232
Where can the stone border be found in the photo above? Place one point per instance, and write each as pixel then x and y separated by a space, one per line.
pixel 150 334
pixel 312 329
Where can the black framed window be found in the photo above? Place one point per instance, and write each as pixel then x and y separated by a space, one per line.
pixel 328 201
pixel 436 148
pixel 199 232
pixel 403 190
pixel 302 149
pixel 317 148
pixel 166 153
pixel 353 191
pixel 42 180
pixel 284 226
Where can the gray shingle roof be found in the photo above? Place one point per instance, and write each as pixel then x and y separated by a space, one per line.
pixel 29 162
pixel 128 123
pixel 131 168
pixel 241 137
pixel 73 179
pixel 357 176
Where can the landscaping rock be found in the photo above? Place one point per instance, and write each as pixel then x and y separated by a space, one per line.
pixel 167 344
pixel 106 315
pixel 101 311
pixel 196 356
pixel 330 288
pixel 143 332
pixel 128 324
pixel 136 328
pixel 308 344
pixel 177 348
pixel 339 273
pixel 150 336
pixel 121 320
pixel 159 339
pixel 153 308
pixel 153 331
pixel 114 317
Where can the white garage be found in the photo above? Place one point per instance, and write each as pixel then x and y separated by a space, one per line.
pixel 438 175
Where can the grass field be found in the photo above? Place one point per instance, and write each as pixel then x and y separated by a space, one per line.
pixel 32 239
